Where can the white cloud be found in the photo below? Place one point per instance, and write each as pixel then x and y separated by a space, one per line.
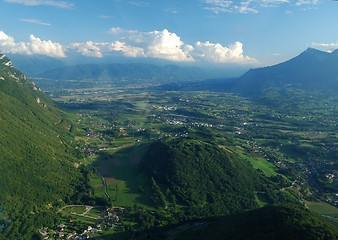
pixel 155 44
pixel 248 6
pixel 34 21
pixel 34 46
pixel 92 49
pixel 53 3
pixel 118 30
pixel 89 49
pixel 329 47
pixel 139 3
pixel 173 11
pixel 162 45
pixel 104 16
pixel 302 2
pixel 217 53
pixel 128 51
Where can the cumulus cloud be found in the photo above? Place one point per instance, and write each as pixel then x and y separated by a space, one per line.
pixel 215 52
pixel 35 21
pixel 163 45
pixel 249 6
pixel 155 44
pixel 91 49
pixel 128 51
pixel 34 46
pixel 53 3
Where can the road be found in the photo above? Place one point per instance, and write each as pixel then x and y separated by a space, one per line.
pixel 99 174
pixel 87 207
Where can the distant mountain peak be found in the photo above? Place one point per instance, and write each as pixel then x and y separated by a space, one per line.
pixel 313 50
pixel 335 52
pixel 311 70
pixel 312 53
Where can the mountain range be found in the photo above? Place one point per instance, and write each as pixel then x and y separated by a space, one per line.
pixel 312 71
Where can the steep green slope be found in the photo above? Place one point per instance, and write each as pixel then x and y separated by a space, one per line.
pixel 36 164
pixel 278 222
pixel 208 179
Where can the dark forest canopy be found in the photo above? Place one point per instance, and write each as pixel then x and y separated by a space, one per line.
pixel 280 222
pixel 211 180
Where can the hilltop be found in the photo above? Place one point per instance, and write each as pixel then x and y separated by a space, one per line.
pixel 204 177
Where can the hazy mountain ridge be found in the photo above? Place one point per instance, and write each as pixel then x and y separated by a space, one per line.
pixel 115 74
pixel 310 70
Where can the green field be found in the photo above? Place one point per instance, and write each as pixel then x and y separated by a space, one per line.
pixel 128 185
pixel 324 209
pixel 81 213
pixel 266 167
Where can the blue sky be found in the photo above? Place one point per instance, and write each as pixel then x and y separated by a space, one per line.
pixel 258 32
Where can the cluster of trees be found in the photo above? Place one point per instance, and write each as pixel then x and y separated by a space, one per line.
pixel 208 180
pixel 280 222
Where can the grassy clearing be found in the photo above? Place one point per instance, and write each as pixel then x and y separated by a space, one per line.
pixel 88 217
pixel 130 185
pixel 75 209
pixel 323 208
pixel 258 163
pixel 268 168
pixel 261 200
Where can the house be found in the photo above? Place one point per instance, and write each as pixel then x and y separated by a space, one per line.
pixel 61 227
pixel 60 234
pixel 43 231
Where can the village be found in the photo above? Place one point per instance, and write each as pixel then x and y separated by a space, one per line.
pixel 80 222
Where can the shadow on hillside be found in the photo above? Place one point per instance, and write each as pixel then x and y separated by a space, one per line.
pixel 126 181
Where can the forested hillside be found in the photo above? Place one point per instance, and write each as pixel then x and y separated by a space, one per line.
pixel 280 222
pixel 38 167
pixel 208 179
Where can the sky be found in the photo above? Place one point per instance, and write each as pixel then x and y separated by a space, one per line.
pixel 220 32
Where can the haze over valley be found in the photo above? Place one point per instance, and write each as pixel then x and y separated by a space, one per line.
pixel 168 120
